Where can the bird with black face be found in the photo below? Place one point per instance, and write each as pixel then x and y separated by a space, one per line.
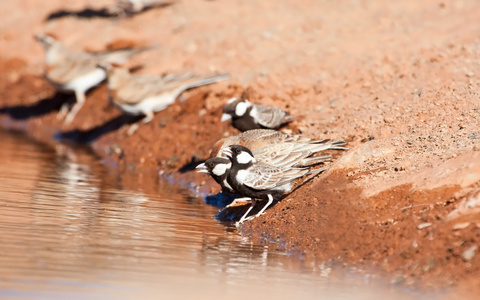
pixel 246 115
pixel 218 168
pixel 249 177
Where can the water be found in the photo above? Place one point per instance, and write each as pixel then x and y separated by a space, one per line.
pixel 71 228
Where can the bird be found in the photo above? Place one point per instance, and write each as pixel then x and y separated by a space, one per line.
pixel 259 138
pixel 142 94
pixel 78 72
pixel 286 154
pixel 218 168
pixel 246 115
pixel 251 178
pixel 270 147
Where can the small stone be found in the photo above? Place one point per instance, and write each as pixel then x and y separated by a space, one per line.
pixel 398 279
pixel 424 225
pixel 429 266
pixel 460 226
pixel 469 254
pixel 469 74
pixel 388 120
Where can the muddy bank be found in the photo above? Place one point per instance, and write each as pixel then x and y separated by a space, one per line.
pixel 399 82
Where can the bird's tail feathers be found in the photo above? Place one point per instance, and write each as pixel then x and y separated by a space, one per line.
pixel 311 161
pixel 206 81
pixel 121 56
pixel 316 171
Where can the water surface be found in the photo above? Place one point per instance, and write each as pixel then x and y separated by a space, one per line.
pixel 71 228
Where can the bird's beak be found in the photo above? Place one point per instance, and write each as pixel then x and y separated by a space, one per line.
pixel 227 152
pixel 201 168
pixel 226 117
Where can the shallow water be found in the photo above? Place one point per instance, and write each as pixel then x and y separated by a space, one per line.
pixel 71 228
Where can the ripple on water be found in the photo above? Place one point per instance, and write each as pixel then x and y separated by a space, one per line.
pixel 71 228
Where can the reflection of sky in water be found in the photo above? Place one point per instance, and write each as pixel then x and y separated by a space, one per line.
pixel 72 229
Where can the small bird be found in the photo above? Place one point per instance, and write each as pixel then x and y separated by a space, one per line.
pixel 251 178
pixel 258 138
pixel 218 168
pixel 142 94
pixel 246 115
pixel 270 147
pixel 284 155
pixel 78 72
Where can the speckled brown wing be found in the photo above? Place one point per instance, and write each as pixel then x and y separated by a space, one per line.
pixel 257 138
pixel 271 117
pixel 141 87
pixel 73 66
pixel 269 136
pixel 262 176
pixel 138 88
pixel 289 154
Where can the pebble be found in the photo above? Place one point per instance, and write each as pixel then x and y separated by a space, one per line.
pixel 469 254
pixel 424 225
pixel 460 226
pixel 388 120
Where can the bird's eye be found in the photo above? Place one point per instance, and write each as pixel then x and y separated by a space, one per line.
pixel 238 151
pixel 211 165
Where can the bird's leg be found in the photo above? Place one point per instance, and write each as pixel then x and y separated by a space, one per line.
pixel 64 109
pixel 248 211
pixel 132 129
pixel 239 200
pixel 80 98
pixel 148 117
pixel 270 200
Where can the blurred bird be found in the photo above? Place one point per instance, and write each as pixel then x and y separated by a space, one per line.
pixel 246 115
pixel 130 7
pixel 255 179
pixel 78 72
pixel 143 94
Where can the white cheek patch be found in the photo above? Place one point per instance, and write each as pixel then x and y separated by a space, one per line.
pixel 241 176
pixel 254 113
pixel 241 108
pixel 220 169
pixel 245 158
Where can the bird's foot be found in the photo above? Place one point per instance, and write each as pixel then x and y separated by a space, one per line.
pixel 132 129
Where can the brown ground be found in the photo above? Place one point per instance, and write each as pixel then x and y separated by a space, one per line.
pixel 398 81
